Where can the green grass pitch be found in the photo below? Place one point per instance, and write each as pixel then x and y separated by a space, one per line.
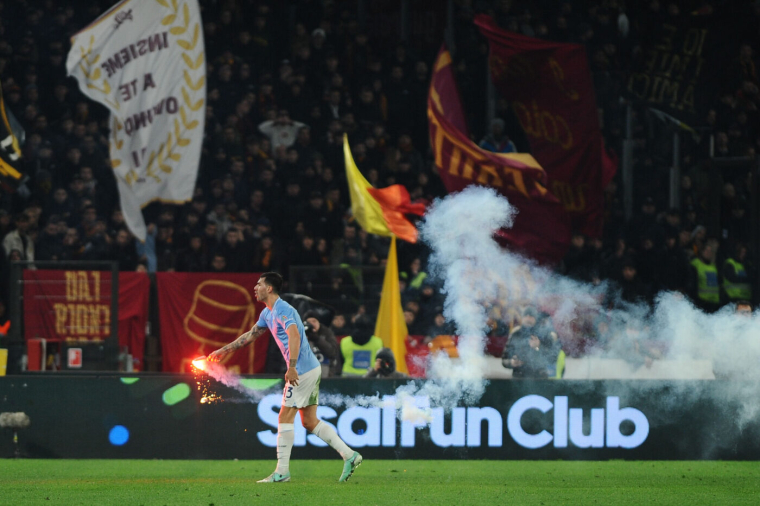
pixel 407 482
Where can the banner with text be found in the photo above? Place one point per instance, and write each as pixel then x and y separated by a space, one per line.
pixel 513 420
pixel 676 70
pixel 200 312
pixel 76 306
pixel 541 228
pixel 549 86
pixel 145 61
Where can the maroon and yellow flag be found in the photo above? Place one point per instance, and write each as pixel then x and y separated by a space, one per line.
pixel 551 92
pixel 542 228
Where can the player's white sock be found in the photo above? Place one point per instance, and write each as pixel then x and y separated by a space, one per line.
pixel 327 434
pixel 285 438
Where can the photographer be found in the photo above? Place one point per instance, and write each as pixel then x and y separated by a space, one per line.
pixel 385 366
pixel 531 354
pixel 323 344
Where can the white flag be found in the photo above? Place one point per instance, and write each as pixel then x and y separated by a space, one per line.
pixel 145 61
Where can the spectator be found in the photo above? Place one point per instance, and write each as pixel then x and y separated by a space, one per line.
pixel 72 245
pixel 414 275
pixel 19 239
pixel 674 272
pixel 341 326
pixel 385 366
pixel 743 308
pixel 281 131
pixel 497 140
pixel 218 263
pixel 235 251
pixel 123 251
pixel 265 256
pixel 193 258
pixel 632 288
pixel 431 302
pixel 578 259
pixel 50 242
pixel 440 327
pixel 323 344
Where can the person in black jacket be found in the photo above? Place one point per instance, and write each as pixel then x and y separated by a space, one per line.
pixel 323 344
pixel 193 258
pixel 530 354
pixel 385 366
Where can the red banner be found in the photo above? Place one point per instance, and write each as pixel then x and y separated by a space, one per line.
pixel 76 306
pixel 200 312
pixel 550 88
pixel 542 228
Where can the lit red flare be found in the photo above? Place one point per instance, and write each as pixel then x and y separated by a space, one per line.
pixel 200 363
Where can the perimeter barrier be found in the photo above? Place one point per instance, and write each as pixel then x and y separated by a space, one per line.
pixel 162 416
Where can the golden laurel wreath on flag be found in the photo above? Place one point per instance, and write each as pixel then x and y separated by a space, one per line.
pixel 92 75
pixel 168 151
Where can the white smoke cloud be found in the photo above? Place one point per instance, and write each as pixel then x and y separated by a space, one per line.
pixel 477 274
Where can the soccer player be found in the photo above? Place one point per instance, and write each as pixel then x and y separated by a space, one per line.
pixel 301 391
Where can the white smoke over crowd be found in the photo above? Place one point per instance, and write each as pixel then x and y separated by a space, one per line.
pixel 477 274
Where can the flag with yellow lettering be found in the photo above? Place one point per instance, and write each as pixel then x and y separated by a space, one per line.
pixel 11 140
pixel 390 325
pixel 542 228
pixel 550 89
pixel 145 61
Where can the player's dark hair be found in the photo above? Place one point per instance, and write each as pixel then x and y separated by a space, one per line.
pixel 274 280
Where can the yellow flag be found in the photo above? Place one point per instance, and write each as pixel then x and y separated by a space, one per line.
pixel 364 207
pixel 390 325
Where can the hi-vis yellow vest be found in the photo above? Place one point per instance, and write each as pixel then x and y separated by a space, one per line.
pixel 358 358
pixel 707 281
pixel 740 290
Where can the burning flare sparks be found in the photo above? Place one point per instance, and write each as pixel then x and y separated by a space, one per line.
pixel 208 396
pixel 200 363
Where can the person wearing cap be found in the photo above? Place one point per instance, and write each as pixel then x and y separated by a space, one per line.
pixel 497 140
pixel 282 131
pixel 385 366
pixel 323 344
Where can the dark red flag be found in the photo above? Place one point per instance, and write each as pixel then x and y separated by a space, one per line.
pixel 541 229
pixel 550 88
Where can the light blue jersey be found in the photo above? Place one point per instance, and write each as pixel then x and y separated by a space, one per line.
pixel 282 316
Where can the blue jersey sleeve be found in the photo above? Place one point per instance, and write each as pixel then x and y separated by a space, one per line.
pixel 288 317
pixel 262 323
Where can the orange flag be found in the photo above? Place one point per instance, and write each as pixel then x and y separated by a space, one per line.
pixel 380 211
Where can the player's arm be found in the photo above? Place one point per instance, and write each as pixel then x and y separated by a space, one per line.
pixel 294 346
pixel 241 342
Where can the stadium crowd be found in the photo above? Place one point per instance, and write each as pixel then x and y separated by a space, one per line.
pixel 286 80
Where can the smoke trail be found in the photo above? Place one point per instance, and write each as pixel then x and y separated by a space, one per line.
pixel 459 230
pixel 478 275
